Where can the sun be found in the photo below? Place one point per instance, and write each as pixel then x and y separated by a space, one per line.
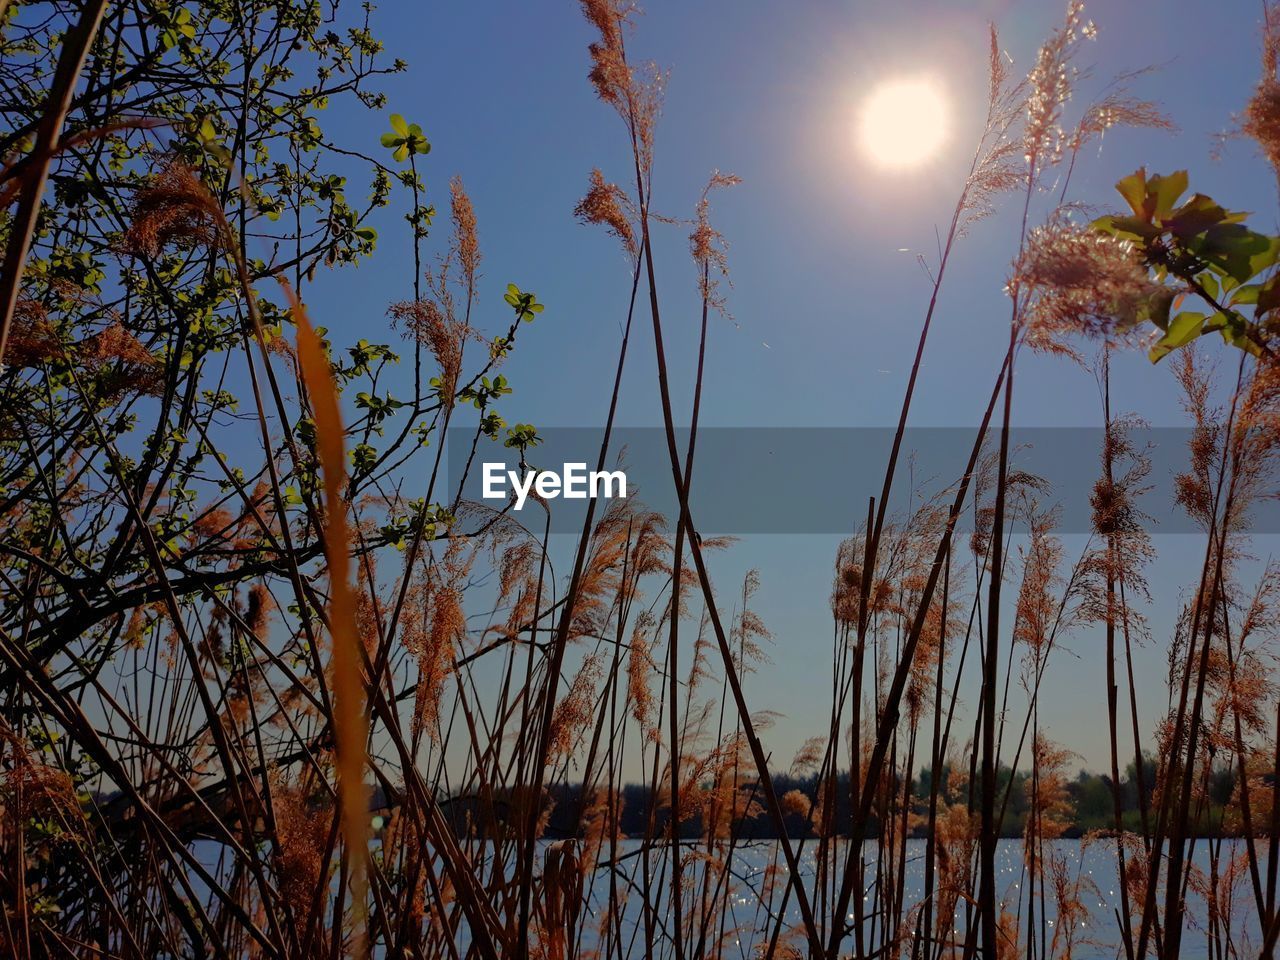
pixel 903 123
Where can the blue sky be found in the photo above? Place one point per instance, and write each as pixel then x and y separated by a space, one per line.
pixel 826 305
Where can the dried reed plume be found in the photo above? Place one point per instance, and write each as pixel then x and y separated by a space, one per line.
pixel 1083 283
pixel 607 204
pixel 609 74
pixel 1261 119
pixel 1117 108
pixel 175 208
pixel 440 333
pixel 1050 84
pixel 467 246
pixel 33 339
pixel 708 245
pixel 636 98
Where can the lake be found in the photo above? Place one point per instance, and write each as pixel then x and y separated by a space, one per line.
pixel 1093 865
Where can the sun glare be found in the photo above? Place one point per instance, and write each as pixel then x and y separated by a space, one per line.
pixel 903 123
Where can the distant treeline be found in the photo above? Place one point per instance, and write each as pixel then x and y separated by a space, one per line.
pixel 1091 806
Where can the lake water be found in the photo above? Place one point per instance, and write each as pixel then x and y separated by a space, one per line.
pixel 1093 865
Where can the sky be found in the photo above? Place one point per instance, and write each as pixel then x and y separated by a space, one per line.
pixel 828 294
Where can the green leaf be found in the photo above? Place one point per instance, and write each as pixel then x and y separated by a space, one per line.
pixel 1238 251
pixel 1266 256
pixel 389 140
pixel 1134 190
pixel 398 125
pixel 1183 328
pixel 1166 191
pixel 1155 309
pixel 1197 215
pixel 1246 295
pixel 1235 333
pixel 1268 296
pixel 1127 228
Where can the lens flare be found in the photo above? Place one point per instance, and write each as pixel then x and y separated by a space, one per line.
pixel 903 123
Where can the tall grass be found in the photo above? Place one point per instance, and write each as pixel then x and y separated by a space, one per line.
pixel 185 772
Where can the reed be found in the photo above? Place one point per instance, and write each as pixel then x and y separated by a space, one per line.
pixel 272 686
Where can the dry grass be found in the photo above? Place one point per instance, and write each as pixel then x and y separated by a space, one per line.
pixel 313 703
